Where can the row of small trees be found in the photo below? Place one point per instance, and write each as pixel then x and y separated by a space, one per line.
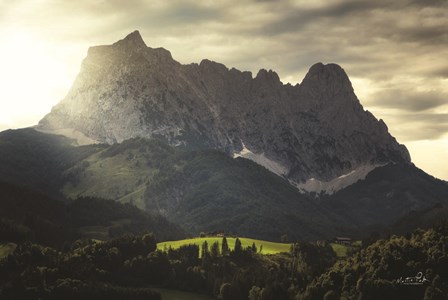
pixel 215 250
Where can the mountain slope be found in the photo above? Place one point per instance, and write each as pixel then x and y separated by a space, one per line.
pixel 316 130
pixel 29 215
pixel 206 190
pixel 37 160
pixel 202 190
pixel 388 193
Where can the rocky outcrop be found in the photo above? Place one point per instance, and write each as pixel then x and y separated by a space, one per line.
pixel 314 130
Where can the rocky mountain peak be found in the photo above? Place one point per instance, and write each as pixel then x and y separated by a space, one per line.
pixel 266 75
pixel 328 72
pixel 132 41
pixel 326 81
pixel 317 130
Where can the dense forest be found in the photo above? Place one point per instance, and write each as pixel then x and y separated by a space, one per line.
pixel 399 267
pixel 27 215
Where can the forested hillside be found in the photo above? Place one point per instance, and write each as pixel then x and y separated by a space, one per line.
pixel 412 267
pixel 26 215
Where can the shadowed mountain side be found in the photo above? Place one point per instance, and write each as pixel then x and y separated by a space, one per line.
pixel 216 193
pixel 29 215
pixel 206 190
pixel 423 219
pixel 37 160
pixel 387 194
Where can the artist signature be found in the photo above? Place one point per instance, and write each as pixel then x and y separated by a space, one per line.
pixel 419 279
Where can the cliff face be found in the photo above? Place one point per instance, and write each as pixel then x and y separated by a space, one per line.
pixel 313 133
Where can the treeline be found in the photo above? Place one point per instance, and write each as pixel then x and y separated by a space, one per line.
pixel 400 267
pixel 128 266
pixel 88 271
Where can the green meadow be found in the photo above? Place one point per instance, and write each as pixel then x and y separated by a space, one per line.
pixel 267 247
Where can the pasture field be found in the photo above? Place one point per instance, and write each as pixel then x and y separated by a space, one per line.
pixel 267 247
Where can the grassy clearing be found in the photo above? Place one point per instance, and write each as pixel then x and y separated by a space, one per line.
pixel 268 247
pixel 7 249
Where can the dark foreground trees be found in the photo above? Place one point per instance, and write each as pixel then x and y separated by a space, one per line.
pixel 127 268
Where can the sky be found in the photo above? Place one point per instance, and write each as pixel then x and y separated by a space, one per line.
pixel 394 52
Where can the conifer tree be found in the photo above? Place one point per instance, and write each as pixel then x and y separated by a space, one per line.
pixel 224 247
pixel 204 249
pixel 214 250
pixel 238 247
pixel 254 248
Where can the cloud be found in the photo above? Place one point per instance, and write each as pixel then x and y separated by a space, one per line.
pixel 410 100
pixel 415 127
pixel 439 72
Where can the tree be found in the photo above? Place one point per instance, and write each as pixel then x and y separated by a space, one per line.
pixel 214 250
pixel 284 238
pixel 149 241
pixel 224 247
pixel 255 293
pixel 226 291
pixel 238 247
pixel 330 295
pixel 254 248
pixel 204 250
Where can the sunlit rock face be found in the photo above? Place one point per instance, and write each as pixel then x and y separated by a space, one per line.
pixel 314 130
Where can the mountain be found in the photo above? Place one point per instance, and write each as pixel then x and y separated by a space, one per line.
pixel 316 134
pixel 213 149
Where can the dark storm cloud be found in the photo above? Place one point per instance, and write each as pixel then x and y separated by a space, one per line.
pixel 439 72
pixel 429 35
pixel 412 100
pixel 425 3
pixel 416 127
pixel 296 18
pixel 174 20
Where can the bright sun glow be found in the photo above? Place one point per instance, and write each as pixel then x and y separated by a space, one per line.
pixel 33 78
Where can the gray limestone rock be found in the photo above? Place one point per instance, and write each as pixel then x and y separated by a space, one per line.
pixel 315 130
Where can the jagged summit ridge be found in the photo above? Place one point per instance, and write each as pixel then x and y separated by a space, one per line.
pixel 132 40
pixel 314 130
